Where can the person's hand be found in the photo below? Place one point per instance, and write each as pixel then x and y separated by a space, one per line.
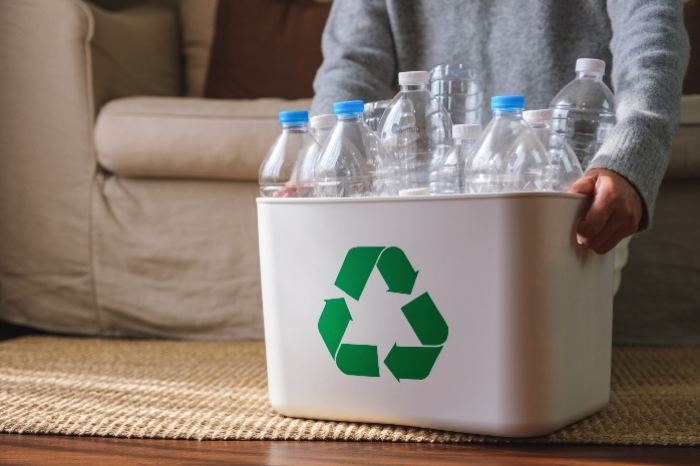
pixel 614 213
pixel 290 189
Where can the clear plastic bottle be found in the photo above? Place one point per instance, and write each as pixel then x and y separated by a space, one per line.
pixel 448 176
pixel 353 161
pixel 584 110
pixel 320 127
pixel 458 87
pixel 373 113
pixel 508 156
pixel 280 173
pixel 565 167
pixel 416 129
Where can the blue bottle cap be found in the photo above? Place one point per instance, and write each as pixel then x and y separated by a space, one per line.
pixel 294 116
pixel 348 107
pixel 507 102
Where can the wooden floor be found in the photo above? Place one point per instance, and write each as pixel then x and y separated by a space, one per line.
pixel 59 450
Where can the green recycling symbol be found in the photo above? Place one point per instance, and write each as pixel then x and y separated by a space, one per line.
pixel 404 362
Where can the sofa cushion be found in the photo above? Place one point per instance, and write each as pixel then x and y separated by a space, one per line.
pixel 258 41
pixel 690 110
pixel 114 5
pixel 134 51
pixel 658 301
pixel 197 18
pixel 188 137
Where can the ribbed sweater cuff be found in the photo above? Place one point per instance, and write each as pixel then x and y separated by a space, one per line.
pixel 632 153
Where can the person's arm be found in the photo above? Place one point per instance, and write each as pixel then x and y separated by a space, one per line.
pixel 358 55
pixel 650 55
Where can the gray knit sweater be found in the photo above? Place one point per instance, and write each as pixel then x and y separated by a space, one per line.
pixel 524 47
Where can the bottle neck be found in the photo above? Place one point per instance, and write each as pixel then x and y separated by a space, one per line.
pixel 589 75
pixel 295 127
pixel 414 87
pixel 321 129
pixel 349 117
pixel 509 114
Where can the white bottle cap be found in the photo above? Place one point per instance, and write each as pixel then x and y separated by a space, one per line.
pixel 414 192
pixel 538 116
pixel 590 65
pixel 413 77
pixel 320 121
pixel 466 131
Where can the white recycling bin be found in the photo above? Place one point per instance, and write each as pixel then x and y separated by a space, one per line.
pixel 470 313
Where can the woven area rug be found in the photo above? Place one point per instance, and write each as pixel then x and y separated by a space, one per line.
pixel 217 390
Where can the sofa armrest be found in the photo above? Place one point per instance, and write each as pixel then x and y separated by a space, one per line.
pixel 185 137
pixel 47 163
pixel 684 162
pixel 135 51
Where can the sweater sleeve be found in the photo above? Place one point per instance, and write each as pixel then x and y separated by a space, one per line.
pixel 650 54
pixel 359 61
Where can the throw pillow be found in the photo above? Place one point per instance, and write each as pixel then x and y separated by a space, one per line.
pixel 266 48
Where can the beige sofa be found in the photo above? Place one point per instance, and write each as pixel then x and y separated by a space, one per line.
pixel 127 201
pixel 126 208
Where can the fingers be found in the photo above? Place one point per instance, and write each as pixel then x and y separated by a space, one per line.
pixel 612 233
pixel 600 210
pixel 614 213
pixel 610 244
pixel 289 190
pixel 584 185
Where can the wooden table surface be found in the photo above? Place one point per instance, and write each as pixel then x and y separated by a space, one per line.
pixel 58 450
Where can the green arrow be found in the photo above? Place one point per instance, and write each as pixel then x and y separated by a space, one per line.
pixel 333 322
pixel 411 362
pixel 397 271
pixel 357 267
pixel 358 360
pixel 426 320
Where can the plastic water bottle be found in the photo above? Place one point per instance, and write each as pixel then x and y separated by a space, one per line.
pixel 584 110
pixel 415 128
pixel 281 173
pixel 353 161
pixel 373 113
pixel 508 156
pixel 565 167
pixel 320 127
pixel 448 177
pixel 458 88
